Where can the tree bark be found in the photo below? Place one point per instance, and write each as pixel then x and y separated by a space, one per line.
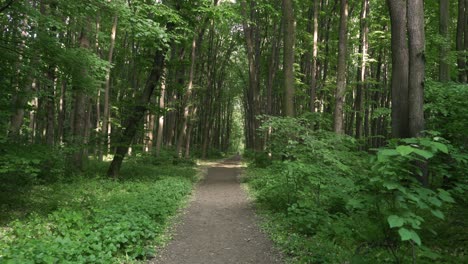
pixel 400 68
pixel 105 136
pixel 79 112
pixel 162 98
pixel 341 72
pixel 134 120
pixel 364 31
pixel 416 38
pixel 313 70
pixel 289 39
pixel 460 46
pixel 444 16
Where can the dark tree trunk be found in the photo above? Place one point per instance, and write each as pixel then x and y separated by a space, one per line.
pixel 416 66
pixel 461 25
pixel 289 39
pixel 341 72
pixel 444 15
pixel 400 69
pixel 134 120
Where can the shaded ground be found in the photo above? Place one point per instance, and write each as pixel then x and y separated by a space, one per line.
pixel 219 226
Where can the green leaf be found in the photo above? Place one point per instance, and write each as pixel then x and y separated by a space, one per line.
pixel 441 147
pixel 424 153
pixel 395 221
pixel 388 152
pixel 406 235
pixel 405 150
pixel 438 214
pixel 445 196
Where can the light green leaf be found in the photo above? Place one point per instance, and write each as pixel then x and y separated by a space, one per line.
pixel 445 196
pixel 406 235
pixel 441 147
pixel 423 153
pixel 395 221
pixel 438 214
pixel 405 150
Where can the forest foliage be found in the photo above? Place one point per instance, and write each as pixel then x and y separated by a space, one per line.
pixel 352 114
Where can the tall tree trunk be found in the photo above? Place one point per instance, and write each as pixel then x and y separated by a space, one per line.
pixel 50 106
pixel 400 68
pixel 252 39
pixel 313 70
pixel 105 137
pixel 197 39
pixel 134 120
pixel 416 66
pixel 289 39
pixel 79 112
pixel 444 16
pixel 62 112
pixel 461 25
pixel 466 39
pixel 159 139
pixel 362 69
pixel 341 72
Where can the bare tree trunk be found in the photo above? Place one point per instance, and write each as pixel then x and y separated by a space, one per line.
pixel 79 112
pixel 197 39
pixel 364 45
pixel 400 68
pixel 62 112
pixel 461 25
pixel 106 111
pixel 417 66
pixel 133 121
pixel 252 38
pixel 444 15
pixel 341 72
pixel 289 39
pixel 466 38
pixel 159 136
pixel 50 106
pixel 313 70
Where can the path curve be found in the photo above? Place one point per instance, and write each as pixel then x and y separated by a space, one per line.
pixel 219 226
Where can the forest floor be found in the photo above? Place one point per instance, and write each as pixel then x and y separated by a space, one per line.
pixel 219 225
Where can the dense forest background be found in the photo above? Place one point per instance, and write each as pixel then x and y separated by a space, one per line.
pixel 351 113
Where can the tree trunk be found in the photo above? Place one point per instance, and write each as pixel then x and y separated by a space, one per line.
pixel 134 120
pixel 79 112
pixel 50 106
pixel 159 138
pixel 341 72
pixel 105 137
pixel 460 42
pixel 62 112
pixel 466 38
pixel 362 69
pixel 444 15
pixel 253 40
pixel 416 66
pixel 313 70
pixel 400 68
pixel 289 39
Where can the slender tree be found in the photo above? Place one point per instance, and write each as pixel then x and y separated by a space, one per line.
pixel 289 38
pixel 341 72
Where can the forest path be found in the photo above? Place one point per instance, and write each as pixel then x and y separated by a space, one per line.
pixel 219 226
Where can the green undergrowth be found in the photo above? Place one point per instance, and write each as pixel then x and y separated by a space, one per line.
pixel 89 218
pixel 325 201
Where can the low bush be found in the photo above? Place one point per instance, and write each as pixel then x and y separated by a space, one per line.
pixel 328 202
pixel 93 219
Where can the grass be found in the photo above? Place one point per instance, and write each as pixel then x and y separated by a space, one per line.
pixel 89 218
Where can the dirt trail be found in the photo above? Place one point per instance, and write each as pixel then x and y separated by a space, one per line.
pixel 219 226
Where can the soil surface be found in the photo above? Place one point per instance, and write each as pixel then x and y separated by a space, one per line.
pixel 219 226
